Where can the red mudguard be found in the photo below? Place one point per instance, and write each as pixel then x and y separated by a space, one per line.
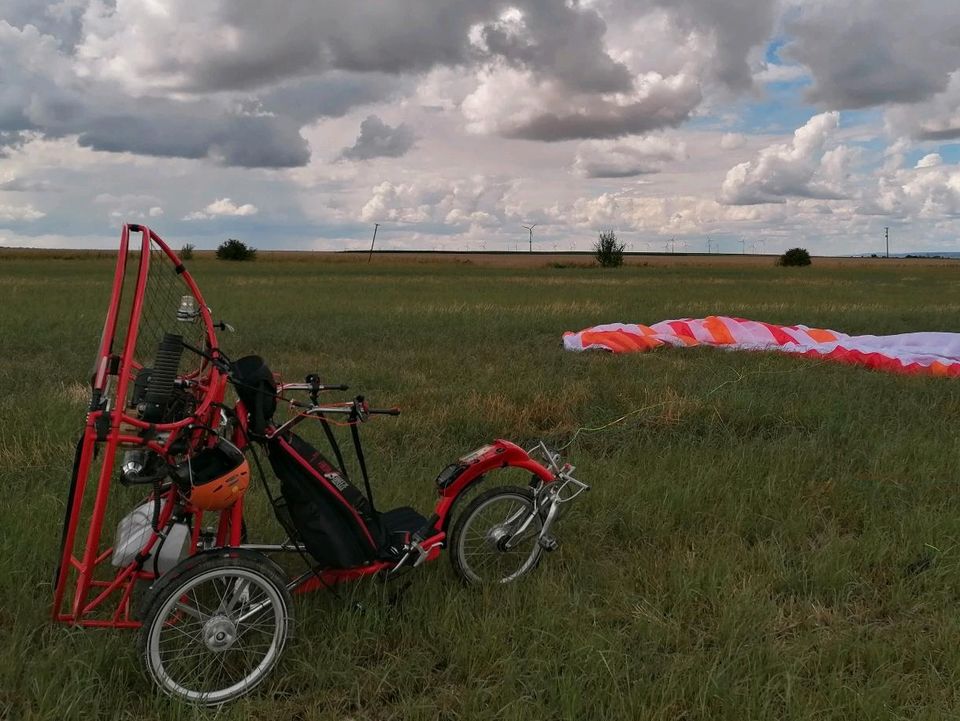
pixel 500 454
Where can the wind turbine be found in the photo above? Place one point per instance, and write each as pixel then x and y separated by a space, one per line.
pixel 530 228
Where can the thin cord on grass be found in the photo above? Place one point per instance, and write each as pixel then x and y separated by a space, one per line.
pixel 739 378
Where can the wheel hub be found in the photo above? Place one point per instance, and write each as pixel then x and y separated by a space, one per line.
pixel 219 633
pixel 498 537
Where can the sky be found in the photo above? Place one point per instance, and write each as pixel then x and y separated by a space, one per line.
pixel 738 125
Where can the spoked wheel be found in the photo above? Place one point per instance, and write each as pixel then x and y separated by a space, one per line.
pixel 215 626
pixel 495 539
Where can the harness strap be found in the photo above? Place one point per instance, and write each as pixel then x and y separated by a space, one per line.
pixel 332 440
pixel 355 434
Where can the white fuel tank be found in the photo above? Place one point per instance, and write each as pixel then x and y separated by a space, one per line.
pixel 134 531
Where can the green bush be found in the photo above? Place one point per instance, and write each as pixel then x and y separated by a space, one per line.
pixel 234 249
pixel 794 257
pixel 607 251
pixel 186 252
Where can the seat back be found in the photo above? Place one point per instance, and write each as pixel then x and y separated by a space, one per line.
pixel 332 517
pixel 255 386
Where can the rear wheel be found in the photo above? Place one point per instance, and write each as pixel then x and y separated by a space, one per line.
pixel 216 626
pixel 496 538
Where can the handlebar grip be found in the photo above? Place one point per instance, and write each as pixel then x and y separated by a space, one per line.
pixel 341 387
pixel 384 411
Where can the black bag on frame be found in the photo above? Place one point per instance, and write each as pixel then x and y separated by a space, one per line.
pixel 331 516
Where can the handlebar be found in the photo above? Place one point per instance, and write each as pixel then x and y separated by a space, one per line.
pixel 357 410
pixel 310 387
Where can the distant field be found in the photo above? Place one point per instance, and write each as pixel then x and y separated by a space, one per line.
pixel 511 260
pixel 770 538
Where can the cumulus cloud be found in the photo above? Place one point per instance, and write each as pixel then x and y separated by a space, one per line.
pixel 802 168
pixel 732 141
pixel 222 207
pixel 20 212
pixel 477 201
pixel 560 41
pixel 44 92
pixel 183 94
pixel 379 140
pixel 729 29
pixel 26 185
pixel 544 70
pixel 129 206
pixel 680 215
pixel 931 160
pixel 937 118
pixel 331 95
pixel 627 158
pixel 872 52
pixel 930 191
pixel 245 45
pixel 235 82
pixel 514 104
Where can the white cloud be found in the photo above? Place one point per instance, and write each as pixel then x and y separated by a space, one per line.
pixel 733 141
pixel 801 168
pixel 875 52
pixel 517 104
pixel 379 140
pixel 477 201
pixel 628 157
pixel 531 111
pixel 20 212
pixel 221 208
pixel 927 192
pixel 937 118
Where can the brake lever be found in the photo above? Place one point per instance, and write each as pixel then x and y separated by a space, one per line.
pixel 360 409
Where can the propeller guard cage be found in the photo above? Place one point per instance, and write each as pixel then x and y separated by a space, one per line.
pixel 150 286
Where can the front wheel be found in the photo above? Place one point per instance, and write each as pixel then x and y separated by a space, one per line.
pixel 496 538
pixel 216 626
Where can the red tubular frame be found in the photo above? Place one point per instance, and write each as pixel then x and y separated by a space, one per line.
pixel 79 568
pixel 499 454
pixel 108 429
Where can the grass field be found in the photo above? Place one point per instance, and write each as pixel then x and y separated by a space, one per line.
pixel 772 538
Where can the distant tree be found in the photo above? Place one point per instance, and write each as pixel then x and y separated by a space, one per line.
pixel 186 252
pixel 607 251
pixel 794 257
pixel 234 249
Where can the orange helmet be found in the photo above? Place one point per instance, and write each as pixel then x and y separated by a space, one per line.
pixel 215 477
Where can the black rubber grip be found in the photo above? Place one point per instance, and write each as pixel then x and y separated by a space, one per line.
pixel 166 364
pixel 384 411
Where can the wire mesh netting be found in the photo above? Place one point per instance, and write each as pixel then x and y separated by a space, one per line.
pixel 161 314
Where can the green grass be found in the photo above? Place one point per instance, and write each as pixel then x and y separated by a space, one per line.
pixel 772 539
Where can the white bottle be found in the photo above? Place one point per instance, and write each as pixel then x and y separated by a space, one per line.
pixel 134 531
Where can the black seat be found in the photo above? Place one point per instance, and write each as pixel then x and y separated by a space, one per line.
pixel 398 525
pixel 402 520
